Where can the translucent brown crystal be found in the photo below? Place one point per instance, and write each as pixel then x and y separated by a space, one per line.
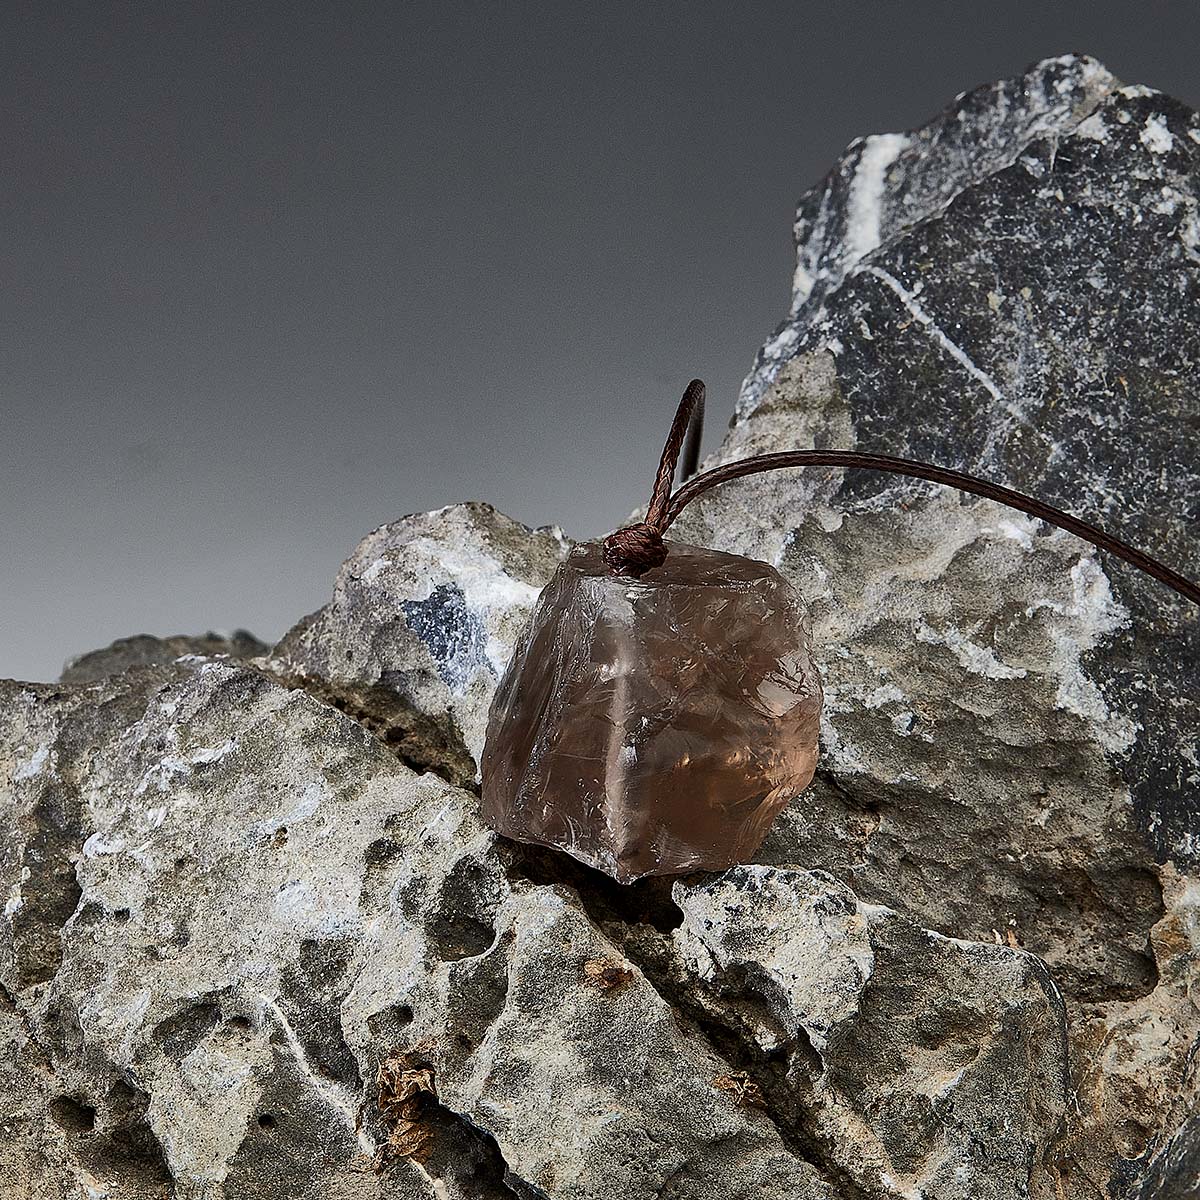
pixel 656 725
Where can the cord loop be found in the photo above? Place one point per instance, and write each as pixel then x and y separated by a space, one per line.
pixel 637 548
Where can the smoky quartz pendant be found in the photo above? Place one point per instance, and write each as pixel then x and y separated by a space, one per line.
pixel 654 725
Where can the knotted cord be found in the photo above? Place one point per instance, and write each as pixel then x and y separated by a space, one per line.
pixel 635 549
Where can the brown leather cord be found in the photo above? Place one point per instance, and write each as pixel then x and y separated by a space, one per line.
pixel 689 420
pixel 691 448
pixel 638 548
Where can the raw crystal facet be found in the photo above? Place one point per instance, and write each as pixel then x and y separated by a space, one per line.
pixel 656 725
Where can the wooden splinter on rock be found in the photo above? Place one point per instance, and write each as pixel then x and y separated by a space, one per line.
pixel 662 705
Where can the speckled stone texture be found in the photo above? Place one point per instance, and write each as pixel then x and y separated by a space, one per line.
pixel 243 894
pixel 657 725
pixel 420 627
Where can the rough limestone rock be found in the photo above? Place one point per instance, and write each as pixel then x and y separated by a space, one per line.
pixel 934 1044
pixel 147 651
pixel 1012 724
pixel 423 617
pixel 256 941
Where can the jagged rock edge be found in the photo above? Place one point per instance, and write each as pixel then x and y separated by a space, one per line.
pixel 766 366
pixel 398 731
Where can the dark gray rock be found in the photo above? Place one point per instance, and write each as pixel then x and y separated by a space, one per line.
pixel 1021 309
pixel 886 183
pixel 1174 1173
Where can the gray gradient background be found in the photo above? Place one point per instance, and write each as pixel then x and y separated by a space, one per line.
pixel 276 274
